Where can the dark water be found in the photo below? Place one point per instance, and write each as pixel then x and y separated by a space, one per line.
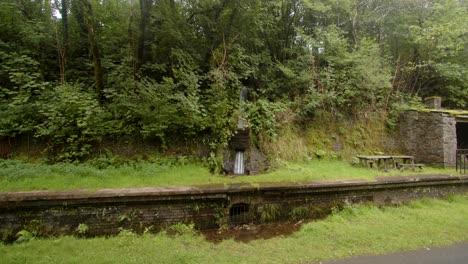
pixel 249 232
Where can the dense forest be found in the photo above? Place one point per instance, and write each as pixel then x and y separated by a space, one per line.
pixel 73 72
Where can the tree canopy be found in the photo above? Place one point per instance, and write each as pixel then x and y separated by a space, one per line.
pixel 75 71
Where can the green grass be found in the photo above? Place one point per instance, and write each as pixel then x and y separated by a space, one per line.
pixel 334 169
pixel 353 231
pixel 17 175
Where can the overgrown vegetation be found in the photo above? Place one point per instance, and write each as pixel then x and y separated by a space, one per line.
pixel 328 137
pixel 76 72
pixel 355 230
pixel 268 212
pixel 17 175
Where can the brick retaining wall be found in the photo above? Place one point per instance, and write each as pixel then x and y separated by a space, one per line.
pixel 106 211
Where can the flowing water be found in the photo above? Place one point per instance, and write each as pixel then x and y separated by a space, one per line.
pixel 239 163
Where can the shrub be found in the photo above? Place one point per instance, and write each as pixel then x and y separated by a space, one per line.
pixel 181 229
pixel 269 212
pixel 72 120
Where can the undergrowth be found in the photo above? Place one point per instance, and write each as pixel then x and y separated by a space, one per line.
pixel 329 136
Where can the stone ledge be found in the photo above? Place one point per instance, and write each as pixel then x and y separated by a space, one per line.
pixel 216 191
pixel 106 211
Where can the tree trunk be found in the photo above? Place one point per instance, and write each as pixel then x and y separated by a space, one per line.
pixel 63 46
pixel 143 50
pixel 354 24
pixel 85 16
pixel 98 71
pixel 132 38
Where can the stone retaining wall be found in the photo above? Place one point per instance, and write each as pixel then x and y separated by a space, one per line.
pixel 107 211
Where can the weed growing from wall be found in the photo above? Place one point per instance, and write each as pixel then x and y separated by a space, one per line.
pixel 269 212
pixel 299 213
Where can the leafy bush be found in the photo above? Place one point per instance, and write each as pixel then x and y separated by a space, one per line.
pixel 399 103
pixel 72 120
pixel 269 212
pixel 82 229
pixel 299 213
pixel 357 79
pixel 24 236
pixel 261 116
pixel 20 85
pixel 161 109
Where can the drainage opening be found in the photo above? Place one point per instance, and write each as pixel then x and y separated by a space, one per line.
pixel 239 213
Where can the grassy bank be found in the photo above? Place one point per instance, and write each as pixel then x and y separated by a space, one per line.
pixel 353 231
pixel 18 175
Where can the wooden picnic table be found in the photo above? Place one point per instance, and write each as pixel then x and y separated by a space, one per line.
pixel 404 160
pixel 395 161
pixel 375 159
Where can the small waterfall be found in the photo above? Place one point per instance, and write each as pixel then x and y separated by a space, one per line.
pixel 239 163
pixel 241 140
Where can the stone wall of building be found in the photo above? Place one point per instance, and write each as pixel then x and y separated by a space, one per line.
pixel 429 136
pixel 105 212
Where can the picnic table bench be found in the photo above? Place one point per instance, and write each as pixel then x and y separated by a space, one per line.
pixel 394 161
pixel 372 160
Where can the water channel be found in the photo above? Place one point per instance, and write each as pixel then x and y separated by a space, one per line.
pixel 249 232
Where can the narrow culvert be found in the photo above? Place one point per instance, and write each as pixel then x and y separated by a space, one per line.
pixel 239 214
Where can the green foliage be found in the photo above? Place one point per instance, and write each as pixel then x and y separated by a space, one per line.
pixel 72 120
pixel 299 213
pixel 320 154
pixel 400 103
pixel 356 80
pixel 172 70
pixel 181 229
pixel 24 236
pixel 269 212
pixel 126 233
pixel 160 109
pixel 20 83
pixel 220 109
pixel 432 50
pixel 82 229
pixel 455 78
pixel 261 116
pixel 30 231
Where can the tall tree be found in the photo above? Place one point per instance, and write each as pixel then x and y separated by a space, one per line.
pixel 63 41
pixel 85 18
pixel 143 52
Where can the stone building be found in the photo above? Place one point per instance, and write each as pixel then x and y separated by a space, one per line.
pixel 433 136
